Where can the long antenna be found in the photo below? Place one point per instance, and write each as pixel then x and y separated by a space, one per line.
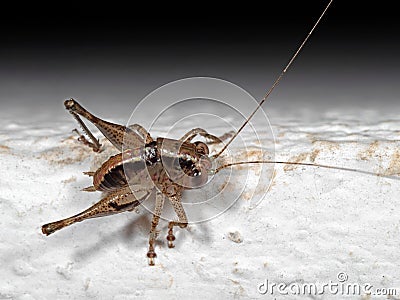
pixel 275 83
pixel 305 164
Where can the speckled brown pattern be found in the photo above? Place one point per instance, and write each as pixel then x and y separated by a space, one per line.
pixel 130 177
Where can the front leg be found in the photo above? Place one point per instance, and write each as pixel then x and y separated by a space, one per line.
pixel 176 201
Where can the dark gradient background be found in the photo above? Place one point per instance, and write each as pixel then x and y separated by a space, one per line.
pixel 112 55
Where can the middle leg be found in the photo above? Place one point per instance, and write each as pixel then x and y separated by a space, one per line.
pixel 151 254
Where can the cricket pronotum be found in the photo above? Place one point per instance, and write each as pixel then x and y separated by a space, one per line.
pixel 162 166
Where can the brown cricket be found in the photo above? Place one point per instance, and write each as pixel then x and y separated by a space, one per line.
pixel 162 166
pixel 130 177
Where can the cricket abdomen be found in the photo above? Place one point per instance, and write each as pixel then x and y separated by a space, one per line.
pixel 110 176
pixel 124 168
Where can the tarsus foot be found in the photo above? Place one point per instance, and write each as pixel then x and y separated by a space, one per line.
pixel 151 256
pixel 170 238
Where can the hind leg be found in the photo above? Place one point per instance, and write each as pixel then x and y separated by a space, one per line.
pixel 118 135
pixel 115 202
pixel 142 131
pixel 95 144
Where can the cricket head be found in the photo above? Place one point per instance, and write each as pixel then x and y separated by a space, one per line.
pixel 196 168
pixel 186 163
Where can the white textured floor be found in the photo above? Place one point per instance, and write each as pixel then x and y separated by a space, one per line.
pixel 312 225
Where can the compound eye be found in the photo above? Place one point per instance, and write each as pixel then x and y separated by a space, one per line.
pixel 196 172
pixel 202 148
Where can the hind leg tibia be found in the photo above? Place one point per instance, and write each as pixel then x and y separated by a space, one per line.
pixel 115 202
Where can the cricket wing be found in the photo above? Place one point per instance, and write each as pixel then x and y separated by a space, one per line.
pixel 120 171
